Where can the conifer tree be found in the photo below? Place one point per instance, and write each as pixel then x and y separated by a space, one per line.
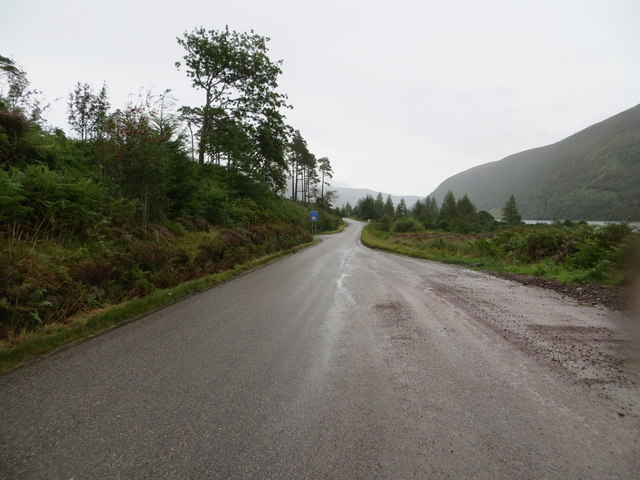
pixel 402 210
pixel 465 209
pixel 510 214
pixel 431 215
pixel 379 206
pixel 448 210
pixel 389 207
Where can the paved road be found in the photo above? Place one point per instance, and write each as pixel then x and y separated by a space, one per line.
pixel 336 362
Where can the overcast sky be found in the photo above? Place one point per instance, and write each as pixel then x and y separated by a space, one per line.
pixel 398 94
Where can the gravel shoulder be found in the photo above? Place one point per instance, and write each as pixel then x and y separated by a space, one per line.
pixel 612 297
pixel 589 334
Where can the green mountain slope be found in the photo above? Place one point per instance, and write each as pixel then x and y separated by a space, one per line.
pixel 592 175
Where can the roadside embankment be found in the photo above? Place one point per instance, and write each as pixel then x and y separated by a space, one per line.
pixel 53 294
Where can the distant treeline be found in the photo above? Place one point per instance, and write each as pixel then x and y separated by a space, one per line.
pixel 453 215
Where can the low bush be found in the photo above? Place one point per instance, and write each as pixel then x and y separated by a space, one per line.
pixel 407 224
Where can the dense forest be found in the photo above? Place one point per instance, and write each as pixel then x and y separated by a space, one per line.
pixel 152 194
pixel 592 175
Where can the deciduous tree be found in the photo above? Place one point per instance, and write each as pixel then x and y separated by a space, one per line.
pixel 18 97
pixel 139 160
pixel 87 112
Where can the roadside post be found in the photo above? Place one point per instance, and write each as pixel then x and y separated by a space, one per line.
pixel 313 217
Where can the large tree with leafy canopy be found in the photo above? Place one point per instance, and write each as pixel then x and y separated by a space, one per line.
pixel 239 82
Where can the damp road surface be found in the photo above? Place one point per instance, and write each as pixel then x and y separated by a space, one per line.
pixel 338 362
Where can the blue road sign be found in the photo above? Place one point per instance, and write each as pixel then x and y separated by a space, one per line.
pixel 314 216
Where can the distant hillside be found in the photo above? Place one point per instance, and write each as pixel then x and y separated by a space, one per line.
pixel 352 195
pixel 592 175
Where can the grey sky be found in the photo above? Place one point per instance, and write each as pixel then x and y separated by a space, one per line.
pixel 399 95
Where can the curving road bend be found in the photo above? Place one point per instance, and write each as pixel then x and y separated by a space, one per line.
pixel 337 362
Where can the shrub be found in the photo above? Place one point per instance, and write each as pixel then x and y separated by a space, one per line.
pixel 50 202
pixel 215 202
pixel 383 224
pixel 589 253
pixel 407 224
pixel 327 221
pixel 613 232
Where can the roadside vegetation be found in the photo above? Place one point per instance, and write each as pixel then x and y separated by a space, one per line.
pixel 570 252
pixel 134 203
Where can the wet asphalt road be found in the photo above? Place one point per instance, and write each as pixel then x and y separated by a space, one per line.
pixel 336 362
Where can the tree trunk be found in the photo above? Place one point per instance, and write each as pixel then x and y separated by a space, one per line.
pixel 294 194
pixel 203 139
pixel 206 125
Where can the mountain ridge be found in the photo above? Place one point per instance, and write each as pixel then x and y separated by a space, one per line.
pixel 593 174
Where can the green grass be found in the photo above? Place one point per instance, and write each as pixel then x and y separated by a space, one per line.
pixel 386 242
pixel 30 345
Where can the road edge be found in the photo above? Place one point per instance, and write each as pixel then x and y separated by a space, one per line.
pixel 37 345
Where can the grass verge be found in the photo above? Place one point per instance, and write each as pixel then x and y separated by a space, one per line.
pixel 501 256
pixel 31 345
pixel 374 241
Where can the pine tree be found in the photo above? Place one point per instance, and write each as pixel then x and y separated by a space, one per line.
pixel 510 214
pixel 418 211
pixel 448 210
pixel 365 208
pixel 431 212
pixel 466 210
pixel 348 210
pixel 401 209
pixel 379 206
pixel 389 207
